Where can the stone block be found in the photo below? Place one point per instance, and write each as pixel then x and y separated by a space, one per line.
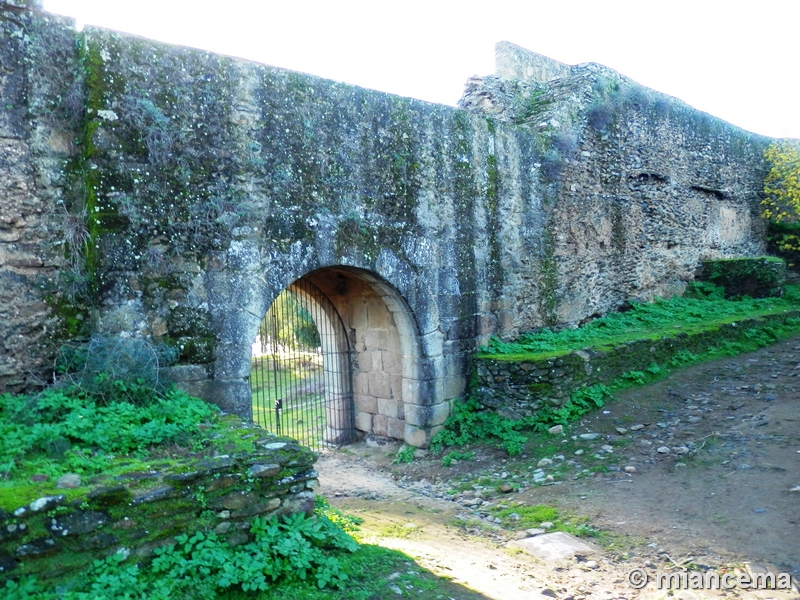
pixel 257 508
pixel 380 425
pixel 361 383
pixel 439 413
pixel 417 415
pixel 454 387
pixel 366 404
pixel 302 502
pixel 395 428
pixel 416 436
pixel 235 500
pixel 413 390
pixel 392 362
pixel 387 407
pixel 181 373
pixel 432 343
pixel 554 546
pixel 376 339
pixel 364 421
pixel 380 385
pixel 377 315
pixel 232 361
pixel 396 385
pixel 268 470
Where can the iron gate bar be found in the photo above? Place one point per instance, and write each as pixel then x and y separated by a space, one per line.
pixel 292 393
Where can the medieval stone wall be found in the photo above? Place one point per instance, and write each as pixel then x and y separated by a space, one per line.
pixel 41 104
pixel 206 185
pixel 640 186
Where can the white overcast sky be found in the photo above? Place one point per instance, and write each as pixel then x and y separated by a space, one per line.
pixel 736 59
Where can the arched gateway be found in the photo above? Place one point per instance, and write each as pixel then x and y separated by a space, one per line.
pixel 337 356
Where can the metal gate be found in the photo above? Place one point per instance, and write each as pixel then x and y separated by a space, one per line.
pixel 301 378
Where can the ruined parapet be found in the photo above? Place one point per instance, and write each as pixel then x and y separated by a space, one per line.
pixel 640 186
pixel 513 62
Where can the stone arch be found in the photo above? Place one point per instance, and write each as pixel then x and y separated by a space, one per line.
pixel 389 388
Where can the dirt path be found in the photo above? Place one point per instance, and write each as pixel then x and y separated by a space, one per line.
pixel 701 469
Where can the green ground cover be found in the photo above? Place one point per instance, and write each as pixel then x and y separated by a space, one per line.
pixel 702 308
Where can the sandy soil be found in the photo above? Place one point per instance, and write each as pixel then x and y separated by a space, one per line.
pixel 701 469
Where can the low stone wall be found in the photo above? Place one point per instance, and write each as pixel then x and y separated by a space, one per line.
pixel 518 388
pixel 138 511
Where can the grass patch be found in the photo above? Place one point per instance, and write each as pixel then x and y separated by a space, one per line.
pixel 702 308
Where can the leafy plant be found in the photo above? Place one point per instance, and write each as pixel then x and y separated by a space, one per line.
pixel 451 457
pixel 468 424
pixel 404 455
pixel 202 565
pixel 70 424
pixel 782 183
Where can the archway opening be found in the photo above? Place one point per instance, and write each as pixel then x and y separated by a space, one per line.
pixel 337 357
pixel 389 389
pixel 301 371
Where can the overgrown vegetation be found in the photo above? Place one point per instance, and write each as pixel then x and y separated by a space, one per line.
pixel 69 430
pixel 111 401
pixel 305 558
pixel 202 565
pixel 782 183
pixel 702 307
pixel 404 455
pixel 94 415
pixel 469 423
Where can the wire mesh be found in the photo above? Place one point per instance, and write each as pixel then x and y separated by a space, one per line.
pixel 301 379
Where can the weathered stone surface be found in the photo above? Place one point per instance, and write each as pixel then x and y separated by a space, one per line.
pixel 76 523
pixel 223 482
pixel 554 546
pixel 105 497
pixel 235 500
pixel 159 493
pixel 37 547
pixel 42 504
pixel 459 224
pixel 257 508
pixel 302 502
pixel 68 481
pixel 267 470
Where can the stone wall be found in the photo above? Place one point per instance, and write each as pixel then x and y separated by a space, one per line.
pixel 42 105
pixel 135 512
pixel 206 185
pixel 641 187
pixel 519 388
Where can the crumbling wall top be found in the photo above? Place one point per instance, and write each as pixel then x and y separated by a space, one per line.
pixel 514 62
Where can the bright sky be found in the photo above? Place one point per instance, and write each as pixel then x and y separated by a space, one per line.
pixel 737 60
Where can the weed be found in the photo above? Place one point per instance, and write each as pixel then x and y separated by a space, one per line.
pixel 451 457
pixel 404 455
pixel 69 425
